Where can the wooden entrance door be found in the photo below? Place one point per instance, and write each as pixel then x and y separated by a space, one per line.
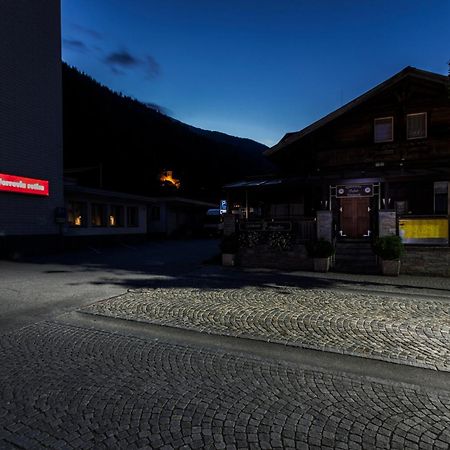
pixel 355 220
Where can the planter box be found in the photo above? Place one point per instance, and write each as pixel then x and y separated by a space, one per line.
pixel 321 264
pixel 228 259
pixel 390 267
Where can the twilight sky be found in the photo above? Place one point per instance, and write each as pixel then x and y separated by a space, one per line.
pixel 252 68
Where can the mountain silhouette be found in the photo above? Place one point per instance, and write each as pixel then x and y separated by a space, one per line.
pixel 116 142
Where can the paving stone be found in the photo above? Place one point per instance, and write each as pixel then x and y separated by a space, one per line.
pixel 102 390
pixel 408 330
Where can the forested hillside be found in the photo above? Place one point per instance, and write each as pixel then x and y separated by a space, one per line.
pixel 122 144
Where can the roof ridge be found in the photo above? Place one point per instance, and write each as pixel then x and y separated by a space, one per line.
pixel 288 138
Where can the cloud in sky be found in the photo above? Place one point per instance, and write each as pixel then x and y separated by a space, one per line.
pixel 88 31
pixel 75 44
pixel 122 60
pixel 158 108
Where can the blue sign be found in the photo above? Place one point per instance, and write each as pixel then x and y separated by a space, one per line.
pixel 223 206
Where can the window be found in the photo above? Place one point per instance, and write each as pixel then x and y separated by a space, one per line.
pixel 441 197
pixel 132 216
pixel 155 213
pixel 98 215
pixel 383 130
pixel 76 214
pixel 116 216
pixel 416 126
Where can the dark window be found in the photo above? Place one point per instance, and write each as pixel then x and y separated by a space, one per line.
pixel 132 216
pixel 116 216
pixel 441 197
pixel 383 130
pixel 98 215
pixel 155 213
pixel 76 214
pixel 416 126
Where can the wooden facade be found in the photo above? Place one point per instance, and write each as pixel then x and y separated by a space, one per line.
pixel 388 149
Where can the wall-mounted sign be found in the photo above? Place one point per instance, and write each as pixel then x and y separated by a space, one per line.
pixel 278 226
pixel 22 185
pixel 223 206
pixel 354 190
pixel 251 226
pixel 424 230
pixel 265 226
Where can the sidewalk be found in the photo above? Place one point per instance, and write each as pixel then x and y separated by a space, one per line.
pixel 404 320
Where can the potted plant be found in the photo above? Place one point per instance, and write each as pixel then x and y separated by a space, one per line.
pixel 389 249
pixel 229 247
pixel 322 251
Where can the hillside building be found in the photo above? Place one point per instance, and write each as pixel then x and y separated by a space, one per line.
pixel 379 165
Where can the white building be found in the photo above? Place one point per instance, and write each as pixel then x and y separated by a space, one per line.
pixel 31 182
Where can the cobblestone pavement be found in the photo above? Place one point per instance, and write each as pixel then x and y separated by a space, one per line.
pixel 69 387
pixel 409 330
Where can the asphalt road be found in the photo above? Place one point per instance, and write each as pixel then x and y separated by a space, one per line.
pixel 35 289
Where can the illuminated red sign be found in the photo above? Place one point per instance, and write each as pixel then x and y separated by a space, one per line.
pixel 22 185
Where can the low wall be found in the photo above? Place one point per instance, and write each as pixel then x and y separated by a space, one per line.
pixel 418 260
pixel 426 261
pixel 264 256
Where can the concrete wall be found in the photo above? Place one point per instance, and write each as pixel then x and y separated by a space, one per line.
pixel 420 260
pixel 266 257
pixel 30 112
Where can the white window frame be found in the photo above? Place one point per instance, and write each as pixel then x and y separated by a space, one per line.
pixel 426 126
pixel 374 126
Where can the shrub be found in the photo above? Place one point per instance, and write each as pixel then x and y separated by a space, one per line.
pixel 389 247
pixel 250 239
pixel 281 240
pixel 320 249
pixel 230 244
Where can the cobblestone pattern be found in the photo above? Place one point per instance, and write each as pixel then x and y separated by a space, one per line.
pixel 405 330
pixel 65 387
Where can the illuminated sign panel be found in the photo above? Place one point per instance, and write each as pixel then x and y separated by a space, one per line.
pixel 423 231
pixel 23 185
pixel 354 190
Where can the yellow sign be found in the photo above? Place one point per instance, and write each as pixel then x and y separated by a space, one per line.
pixel 436 228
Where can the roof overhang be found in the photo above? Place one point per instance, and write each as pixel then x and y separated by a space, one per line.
pixel 408 71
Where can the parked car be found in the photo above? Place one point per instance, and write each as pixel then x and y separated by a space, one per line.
pixel 213 224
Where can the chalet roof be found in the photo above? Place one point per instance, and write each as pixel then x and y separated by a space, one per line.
pixel 408 71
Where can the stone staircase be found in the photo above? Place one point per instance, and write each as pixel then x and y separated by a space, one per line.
pixel 355 256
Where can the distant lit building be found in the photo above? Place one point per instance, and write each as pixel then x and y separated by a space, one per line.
pixel 96 215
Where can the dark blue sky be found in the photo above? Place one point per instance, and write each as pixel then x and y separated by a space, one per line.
pixel 252 68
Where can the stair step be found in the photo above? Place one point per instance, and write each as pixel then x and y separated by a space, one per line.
pixel 355 257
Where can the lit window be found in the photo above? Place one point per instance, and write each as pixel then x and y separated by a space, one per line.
pixel 98 215
pixel 384 129
pixel 76 214
pixel 116 216
pixel 416 126
pixel 132 216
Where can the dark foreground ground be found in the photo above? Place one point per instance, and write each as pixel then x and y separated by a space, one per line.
pixel 187 358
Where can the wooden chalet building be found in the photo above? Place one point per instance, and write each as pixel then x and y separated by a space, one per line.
pixel 378 165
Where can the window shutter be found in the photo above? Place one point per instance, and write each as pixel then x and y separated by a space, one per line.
pixel 416 126
pixel 384 129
